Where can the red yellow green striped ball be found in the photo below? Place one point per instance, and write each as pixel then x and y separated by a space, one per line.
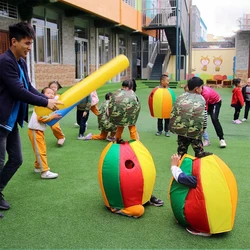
pixel 126 174
pixel 211 206
pixel 160 102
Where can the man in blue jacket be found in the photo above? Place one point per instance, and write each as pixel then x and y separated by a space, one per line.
pixel 16 92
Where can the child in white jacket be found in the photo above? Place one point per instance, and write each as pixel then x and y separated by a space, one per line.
pixel 37 126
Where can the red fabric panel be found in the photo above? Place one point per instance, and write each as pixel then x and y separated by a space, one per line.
pixel 131 180
pixel 150 101
pixel 195 206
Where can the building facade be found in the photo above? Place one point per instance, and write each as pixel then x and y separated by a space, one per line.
pixel 243 48
pixel 75 38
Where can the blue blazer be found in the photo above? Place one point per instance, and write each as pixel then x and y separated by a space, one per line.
pixel 13 90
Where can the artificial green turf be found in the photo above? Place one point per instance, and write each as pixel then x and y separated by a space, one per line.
pixel 69 212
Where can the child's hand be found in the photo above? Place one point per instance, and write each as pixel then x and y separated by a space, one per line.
pixel 56 116
pixel 84 114
pixel 175 159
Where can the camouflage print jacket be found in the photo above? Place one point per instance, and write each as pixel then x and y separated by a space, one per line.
pixel 187 116
pixel 124 108
pixel 103 118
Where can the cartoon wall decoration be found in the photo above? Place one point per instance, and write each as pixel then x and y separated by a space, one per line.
pixel 217 63
pixel 204 62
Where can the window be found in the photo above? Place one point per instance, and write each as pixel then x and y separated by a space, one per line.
pixel 130 2
pixel 47 36
pixel 122 50
pixel 104 47
pixel 8 10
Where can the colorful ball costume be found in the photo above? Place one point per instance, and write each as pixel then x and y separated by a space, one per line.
pixel 124 108
pixel 211 206
pixel 126 175
pixel 160 102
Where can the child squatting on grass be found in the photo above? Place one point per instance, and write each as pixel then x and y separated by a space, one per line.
pixel 104 123
pixel 36 128
pixel 182 178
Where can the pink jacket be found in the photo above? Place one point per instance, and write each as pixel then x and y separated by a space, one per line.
pixel 94 98
pixel 210 95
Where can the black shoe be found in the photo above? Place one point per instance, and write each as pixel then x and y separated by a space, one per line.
pixel 4 205
pixel 203 154
pixel 121 141
pixel 155 201
pixel 1 216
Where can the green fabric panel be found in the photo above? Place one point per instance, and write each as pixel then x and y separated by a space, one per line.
pixel 173 96
pixel 111 177
pixel 178 193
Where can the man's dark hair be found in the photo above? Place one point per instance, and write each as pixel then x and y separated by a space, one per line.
pixel 194 82
pixel 107 96
pixel 20 31
pixel 127 84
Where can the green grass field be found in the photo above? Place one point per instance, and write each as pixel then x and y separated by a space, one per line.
pixel 69 212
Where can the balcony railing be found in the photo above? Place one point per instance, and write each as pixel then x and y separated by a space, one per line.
pixel 244 23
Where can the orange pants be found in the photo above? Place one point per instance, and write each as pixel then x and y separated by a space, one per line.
pixel 132 131
pixel 94 109
pixel 39 147
pixel 57 131
pixel 103 135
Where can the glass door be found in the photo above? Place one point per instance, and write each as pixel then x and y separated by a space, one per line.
pixel 81 56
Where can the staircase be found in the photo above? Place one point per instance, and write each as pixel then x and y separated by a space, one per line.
pixel 171 36
pixel 157 68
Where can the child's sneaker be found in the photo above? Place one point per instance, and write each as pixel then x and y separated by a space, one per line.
pixel 155 201
pixel 167 134
pixel 76 124
pixel 37 170
pixel 206 143
pixel 49 175
pixel 236 121
pixel 244 120
pixel 203 154
pixel 158 133
pixel 109 138
pixel 80 137
pixel 60 142
pixel 88 137
pixel 194 232
pixel 222 143
pixel 121 141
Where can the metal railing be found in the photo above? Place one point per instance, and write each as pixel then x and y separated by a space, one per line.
pixel 244 23
pixel 153 55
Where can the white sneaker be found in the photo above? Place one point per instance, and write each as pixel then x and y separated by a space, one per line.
pixel 194 232
pixel 49 175
pixel 37 170
pixel 76 124
pixel 206 143
pixel 243 120
pixel 61 141
pixel 80 137
pixel 222 143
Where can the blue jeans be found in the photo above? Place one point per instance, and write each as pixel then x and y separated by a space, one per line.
pixel 9 142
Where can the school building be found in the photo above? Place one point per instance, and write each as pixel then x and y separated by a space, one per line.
pixel 76 37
